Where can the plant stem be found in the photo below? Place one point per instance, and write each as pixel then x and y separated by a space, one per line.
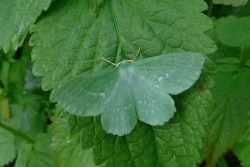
pixel 210 9
pixel 17 133
pixel 243 55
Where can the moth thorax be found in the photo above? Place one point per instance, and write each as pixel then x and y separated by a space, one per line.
pixel 127 74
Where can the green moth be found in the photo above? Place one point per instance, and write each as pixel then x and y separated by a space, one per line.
pixel 132 90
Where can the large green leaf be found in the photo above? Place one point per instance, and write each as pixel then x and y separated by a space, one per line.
pixel 67 151
pixel 7 147
pixel 228 118
pixel 231 2
pixel 70 39
pixel 15 20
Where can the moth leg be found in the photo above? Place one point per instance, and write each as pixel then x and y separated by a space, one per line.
pixel 118 64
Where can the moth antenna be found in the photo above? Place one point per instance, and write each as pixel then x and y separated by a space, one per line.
pixel 118 64
pixel 108 61
pixel 137 54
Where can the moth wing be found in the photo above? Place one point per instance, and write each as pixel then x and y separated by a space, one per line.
pixel 154 106
pixel 119 116
pixel 87 95
pixel 171 72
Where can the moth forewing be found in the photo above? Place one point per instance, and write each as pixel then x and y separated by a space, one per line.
pixel 132 90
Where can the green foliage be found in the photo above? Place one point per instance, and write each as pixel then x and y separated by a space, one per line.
pixel 237 35
pixel 231 2
pixel 37 154
pixel 15 19
pixel 242 148
pixel 7 146
pixel 229 114
pixel 68 39
pixel 23 116
pixel 67 150
pixel 228 118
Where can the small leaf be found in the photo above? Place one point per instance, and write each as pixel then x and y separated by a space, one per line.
pixel 237 35
pixel 7 147
pixel 26 117
pixel 231 2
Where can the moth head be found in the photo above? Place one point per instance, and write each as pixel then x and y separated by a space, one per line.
pixel 124 63
pixel 126 71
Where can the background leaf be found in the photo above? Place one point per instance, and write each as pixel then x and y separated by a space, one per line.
pixel 37 154
pixel 67 150
pixel 237 35
pixel 231 2
pixel 223 10
pixel 26 117
pixel 15 20
pixel 228 118
pixel 242 148
pixel 26 108
pixel 7 147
